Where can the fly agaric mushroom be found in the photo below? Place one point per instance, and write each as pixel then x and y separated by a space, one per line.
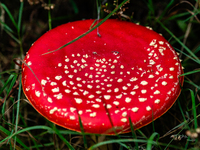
pixel 128 72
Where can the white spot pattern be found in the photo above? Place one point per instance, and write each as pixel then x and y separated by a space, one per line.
pixel 96 81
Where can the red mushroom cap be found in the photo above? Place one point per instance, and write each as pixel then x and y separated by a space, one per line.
pixel 128 72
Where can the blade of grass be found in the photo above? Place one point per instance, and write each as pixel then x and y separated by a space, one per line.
pixel 187 143
pixel 20 16
pixel 119 141
pixel 166 9
pixel 194 109
pixel 12 36
pixel 82 35
pixel 61 137
pixel 5 131
pixel 9 31
pixel 133 133
pixel 153 126
pixel 150 141
pixel 151 9
pixel 74 6
pixel 25 130
pixel 17 113
pixel 35 144
pixel 7 82
pixel 193 14
pixel 12 83
pixel 197 49
pixel 191 72
pixel 181 125
pixel 98 15
pixel 174 17
pixel 141 133
pixel 66 132
pixel 12 79
pixel 19 28
pixel 171 131
pixel 83 133
pixel 49 15
pixel 10 15
pixel 17 25
pixel 6 27
pixel 42 146
pixel 188 56
pixel 181 110
pixel 185 47
pixel 190 82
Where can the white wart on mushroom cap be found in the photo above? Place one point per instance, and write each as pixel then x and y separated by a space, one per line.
pixel 130 71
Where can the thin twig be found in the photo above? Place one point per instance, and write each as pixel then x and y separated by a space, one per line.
pixel 188 30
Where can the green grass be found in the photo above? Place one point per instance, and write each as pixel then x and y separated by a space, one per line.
pixel 21 127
